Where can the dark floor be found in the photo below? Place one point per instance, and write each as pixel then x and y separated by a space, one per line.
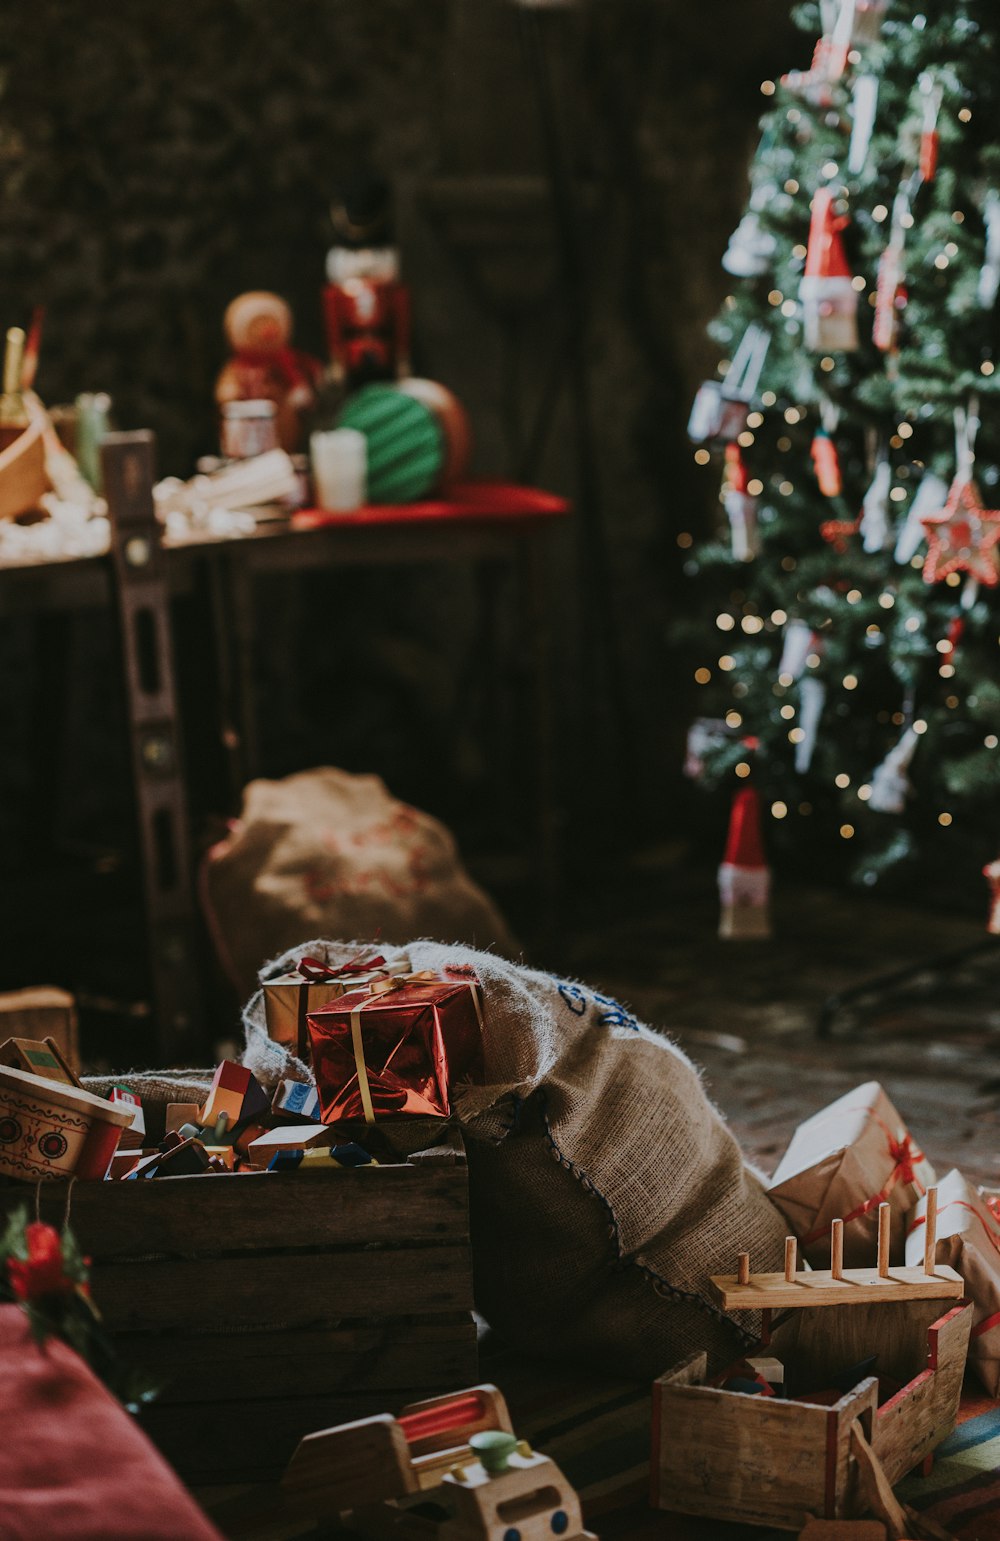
pixel 748 1012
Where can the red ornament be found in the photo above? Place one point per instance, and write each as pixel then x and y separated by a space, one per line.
pixel 963 537
pixel 826 463
pixel 42 1273
pixel 992 876
pixel 838 531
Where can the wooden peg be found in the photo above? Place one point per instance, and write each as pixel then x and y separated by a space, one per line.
pixel 837 1249
pixel 743 1269
pixel 930 1238
pixel 791 1258
pixel 884 1217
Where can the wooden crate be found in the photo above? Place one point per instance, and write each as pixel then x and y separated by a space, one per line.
pixel 766 1461
pixel 272 1304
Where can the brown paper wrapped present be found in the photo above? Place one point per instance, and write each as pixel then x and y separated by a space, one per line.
pixel 843 1163
pixel 968 1240
pixel 290 998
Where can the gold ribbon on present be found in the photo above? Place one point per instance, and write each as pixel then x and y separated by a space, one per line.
pixel 384 986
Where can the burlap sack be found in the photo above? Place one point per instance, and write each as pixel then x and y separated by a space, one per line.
pixel 605 1186
pixel 327 852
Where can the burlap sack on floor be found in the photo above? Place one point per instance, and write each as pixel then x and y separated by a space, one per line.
pixel 605 1186
pixel 325 852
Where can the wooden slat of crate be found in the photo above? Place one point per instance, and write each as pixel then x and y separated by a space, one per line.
pixel 283 1289
pixel 754 1460
pixel 434 1352
pixel 197 1216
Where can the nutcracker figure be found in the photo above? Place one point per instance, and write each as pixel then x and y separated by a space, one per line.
pixel 264 366
pixel 366 306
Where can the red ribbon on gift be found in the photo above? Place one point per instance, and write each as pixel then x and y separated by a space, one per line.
pixel 994 1241
pixel 316 972
pixel 905 1161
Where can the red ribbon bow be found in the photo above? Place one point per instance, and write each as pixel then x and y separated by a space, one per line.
pixel 905 1160
pixel 315 971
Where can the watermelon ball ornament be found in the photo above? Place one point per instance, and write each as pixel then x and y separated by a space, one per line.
pixel 417 436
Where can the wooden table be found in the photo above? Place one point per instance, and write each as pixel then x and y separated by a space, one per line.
pixel 487 525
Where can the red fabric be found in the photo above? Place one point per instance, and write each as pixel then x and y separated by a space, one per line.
pixel 73 1463
pixel 744 847
pixel 826 257
pixel 471 502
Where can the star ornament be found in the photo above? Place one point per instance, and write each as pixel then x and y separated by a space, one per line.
pixel 963 537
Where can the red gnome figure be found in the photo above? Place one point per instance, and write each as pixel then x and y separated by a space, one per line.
pixel 264 366
pixel 829 298
pixel 744 876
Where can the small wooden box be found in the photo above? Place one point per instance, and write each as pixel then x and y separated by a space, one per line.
pixel 766 1461
pixel 273 1304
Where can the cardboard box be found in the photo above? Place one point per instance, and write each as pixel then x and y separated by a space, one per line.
pixel 968 1240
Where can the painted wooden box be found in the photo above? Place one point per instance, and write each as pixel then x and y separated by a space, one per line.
pixel 767 1461
pixel 273 1304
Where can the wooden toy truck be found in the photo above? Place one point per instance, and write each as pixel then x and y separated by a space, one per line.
pixel 766 1461
pixel 449 1469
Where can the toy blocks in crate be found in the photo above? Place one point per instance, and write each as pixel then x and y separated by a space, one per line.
pixel 268 1304
pixel 759 1459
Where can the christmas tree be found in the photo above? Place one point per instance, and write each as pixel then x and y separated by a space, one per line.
pixel 855 421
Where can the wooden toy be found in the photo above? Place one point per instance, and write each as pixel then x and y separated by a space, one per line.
pixel 39 1058
pixel 43 1012
pixel 292 1137
pixel 236 1092
pixel 132 1137
pixel 770 1461
pixel 48 1129
pixel 450 1468
pixel 320 1159
pixel 301 1302
pixel 298 1097
pixel 122 1163
pixel 181 1113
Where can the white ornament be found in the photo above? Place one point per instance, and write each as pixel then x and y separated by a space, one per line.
pixel 812 699
pixel 876 530
pixel 989 277
pixel 865 107
pixel 931 496
pixel 741 510
pixel 751 249
pixel 797 643
pixel 891 783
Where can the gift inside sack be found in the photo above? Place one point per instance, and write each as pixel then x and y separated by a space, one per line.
pixel 968 1240
pixel 843 1163
pixel 312 984
pixel 397 1046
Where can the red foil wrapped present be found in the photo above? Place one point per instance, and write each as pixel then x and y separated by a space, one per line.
pixel 396 1047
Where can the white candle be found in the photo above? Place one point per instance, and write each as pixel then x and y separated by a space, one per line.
pixel 340 469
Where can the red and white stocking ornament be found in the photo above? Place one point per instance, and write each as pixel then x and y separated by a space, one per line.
pixel 829 298
pixel 890 782
pixel 740 506
pixel 744 876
